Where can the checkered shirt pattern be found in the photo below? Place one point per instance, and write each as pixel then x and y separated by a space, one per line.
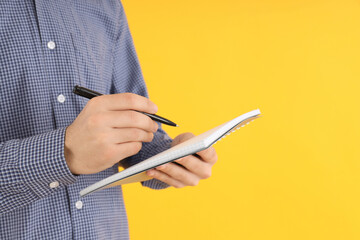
pixel 46 48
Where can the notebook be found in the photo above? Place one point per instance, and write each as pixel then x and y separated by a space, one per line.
pixel 196 144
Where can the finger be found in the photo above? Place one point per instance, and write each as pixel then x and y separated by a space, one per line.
pixel 117 152
pixel 196 166
pixel 124 101
pixel 123 135
pixel 165 178
pixel 208 155
pixel 182 138
pixel 179 173
pixel 130 119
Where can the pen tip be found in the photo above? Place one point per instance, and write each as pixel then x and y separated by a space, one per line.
pixel 177 125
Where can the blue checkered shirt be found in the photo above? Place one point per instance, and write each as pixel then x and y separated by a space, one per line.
pixel 47 47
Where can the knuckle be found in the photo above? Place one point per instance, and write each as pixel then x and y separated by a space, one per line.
pixel 135 147
pixel 156 126
pixel 151 105
pixel 135 134
pixel 130 99
pixel 150 137
pixel 139 135
pixel 134 117
pixel 151 125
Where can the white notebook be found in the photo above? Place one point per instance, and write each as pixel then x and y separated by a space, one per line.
pixel 196 144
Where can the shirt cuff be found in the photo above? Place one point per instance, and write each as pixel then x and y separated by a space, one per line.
pixel 42 162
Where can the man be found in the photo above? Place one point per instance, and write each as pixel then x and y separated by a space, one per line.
pixel 53 143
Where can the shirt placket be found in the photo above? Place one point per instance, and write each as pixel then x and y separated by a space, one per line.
pixel 61 67
pixel 58 59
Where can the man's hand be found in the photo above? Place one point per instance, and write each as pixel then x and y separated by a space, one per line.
pixel 193 169
pixel 108 130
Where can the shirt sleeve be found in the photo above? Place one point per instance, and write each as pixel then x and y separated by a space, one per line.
pixel 32 168
pixel 128 78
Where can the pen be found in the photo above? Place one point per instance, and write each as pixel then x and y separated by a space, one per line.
pixel 87 93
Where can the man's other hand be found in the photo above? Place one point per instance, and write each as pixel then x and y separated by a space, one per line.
pixel 192 169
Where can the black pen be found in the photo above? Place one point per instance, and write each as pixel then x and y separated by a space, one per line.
pixel 84 92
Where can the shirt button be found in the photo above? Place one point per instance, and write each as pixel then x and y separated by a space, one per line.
pixel 51 45
pixel 79 204
pixel 61 98
pixel 54 184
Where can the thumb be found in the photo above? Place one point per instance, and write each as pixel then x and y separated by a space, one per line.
pixel 182 138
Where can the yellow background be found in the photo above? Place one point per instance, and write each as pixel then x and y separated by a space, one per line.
pixel 292 174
